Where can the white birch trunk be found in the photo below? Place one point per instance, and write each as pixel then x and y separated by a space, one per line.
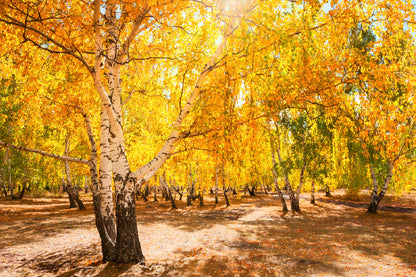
pixel 279 191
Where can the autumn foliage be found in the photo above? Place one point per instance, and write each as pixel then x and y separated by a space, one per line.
pixel 209 95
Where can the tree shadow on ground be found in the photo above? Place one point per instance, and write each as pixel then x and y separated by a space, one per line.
pixel 327 239
pixel 27 220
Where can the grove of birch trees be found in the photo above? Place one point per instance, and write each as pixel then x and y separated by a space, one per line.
pixel 198 97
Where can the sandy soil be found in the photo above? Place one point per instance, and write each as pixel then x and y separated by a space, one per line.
pixel 41 237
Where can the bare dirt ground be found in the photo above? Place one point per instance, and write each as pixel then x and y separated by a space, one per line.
pixel 41 237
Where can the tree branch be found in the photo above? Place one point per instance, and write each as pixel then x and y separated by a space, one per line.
pixel 24 26
pixel 43 153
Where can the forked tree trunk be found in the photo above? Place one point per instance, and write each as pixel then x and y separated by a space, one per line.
pixel 375 199
pixel 295 200
pixel 178 190
pixel 294 203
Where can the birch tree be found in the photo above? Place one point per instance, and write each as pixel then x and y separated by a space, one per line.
pixel 103 37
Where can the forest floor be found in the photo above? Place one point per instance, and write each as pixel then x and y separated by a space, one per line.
pixel 252 237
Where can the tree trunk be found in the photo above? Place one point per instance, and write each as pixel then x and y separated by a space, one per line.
pixel 79 202
pixel 141 193
pixel 154 193
pixel 101 192
pixel 127 248
pixel 71 197
pixel 327 191
pixel 86 185
pixel 146 190
pixel 22 191
pixel 72 194
pixel 216 186
pixel 313 192
pixel 227 202
pixel 276 185
pixel 201 199
pixel 375 199
pixel 251 192
pixel 172 200
pixel 3 185
pixel 295 196
pixel 264 188
pixel 179 191
pixel 169 192
pixel 189 200
pixel 191 190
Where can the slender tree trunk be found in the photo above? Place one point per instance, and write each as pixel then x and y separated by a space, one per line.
pixel 163 182
pixel 201 199
pixel 327 191
pixel 264 188
pixel 172 200
pixel 10 184
pixel 24 186
pixel 79 202
pixel 73 195
pixel 3 184
pixel 276 185
pixel 288 186
pixel 144 193
pixel 146 190
pixel 101 192
pixel 227 202
pixel 191 188
pixel 86 185
pixel 216 186
pixel 68 190
pixel 154 193
pixel 313 192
